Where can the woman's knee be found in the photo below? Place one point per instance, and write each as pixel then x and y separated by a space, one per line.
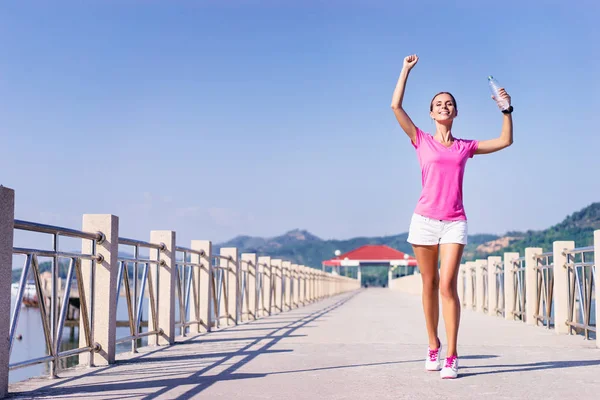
pixel 448 289
pixel 431 281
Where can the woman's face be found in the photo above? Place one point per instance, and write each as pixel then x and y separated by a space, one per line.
pixel 443 108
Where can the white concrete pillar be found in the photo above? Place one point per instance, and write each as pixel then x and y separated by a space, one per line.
pixel 480 273
pixel 390 277
pixel 509 285
pixel 251 292
pixel 277 289
pixel 231 283
pixel 301 285
pixel 461 285
pixel 359 276
pixel 531 288
pixel 561 284
pixel 286 284
pixel 492 290
pixel 266 298
pixel 312 286
pixel 203 295
pixel 7 223
pixel 470 292
pixel 597 283
pixel 104 318
pixel 295 286
pixel 167 294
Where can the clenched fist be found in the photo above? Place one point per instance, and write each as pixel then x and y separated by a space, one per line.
pixel 410 61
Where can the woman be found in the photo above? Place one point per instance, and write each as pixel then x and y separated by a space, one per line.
pixel 438 228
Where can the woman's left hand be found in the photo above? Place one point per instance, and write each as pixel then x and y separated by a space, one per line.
pixel 503 95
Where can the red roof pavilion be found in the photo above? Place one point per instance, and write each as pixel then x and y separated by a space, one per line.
pixel 371 254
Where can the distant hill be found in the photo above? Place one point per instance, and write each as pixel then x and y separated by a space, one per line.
pixel 578 227
pixel 302 247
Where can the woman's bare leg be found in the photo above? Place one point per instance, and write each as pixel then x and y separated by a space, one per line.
pixel 427 260
pixel 450 256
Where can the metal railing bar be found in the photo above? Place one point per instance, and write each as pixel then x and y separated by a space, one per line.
pixel 60 254
pixel 181 249
pixel 140 243
pixel 578 250
pixel 56 230
pixel 139 336
pixel 140 260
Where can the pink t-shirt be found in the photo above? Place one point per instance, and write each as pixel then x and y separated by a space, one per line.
pixel 442 171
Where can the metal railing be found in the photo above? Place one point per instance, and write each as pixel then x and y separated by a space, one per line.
pixel 247 274
pixel 499 282
pixel 53 315
pixel 581 272
pixel 263 281
pixel 544 267
pixel 224 275
pixel 143 286
pixel 276 288
pixel 188 289
pixel 518 271
pixel 484 270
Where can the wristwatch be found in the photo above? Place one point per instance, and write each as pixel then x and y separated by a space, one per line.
pixel 509 110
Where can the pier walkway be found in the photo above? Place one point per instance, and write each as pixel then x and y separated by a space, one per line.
pixel 367 344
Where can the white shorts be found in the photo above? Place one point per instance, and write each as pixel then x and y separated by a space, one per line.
pixel 427 231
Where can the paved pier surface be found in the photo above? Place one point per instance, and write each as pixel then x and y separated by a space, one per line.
pixel 369 344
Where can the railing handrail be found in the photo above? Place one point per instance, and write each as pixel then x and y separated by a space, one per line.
pixel 182 249
pixel 141 243
pixel 57 230
pixel 578 250
pixel 61 254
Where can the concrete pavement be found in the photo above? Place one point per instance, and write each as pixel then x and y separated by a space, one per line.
pixel 365 345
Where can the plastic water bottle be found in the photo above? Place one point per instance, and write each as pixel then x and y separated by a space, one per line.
pixel 495 89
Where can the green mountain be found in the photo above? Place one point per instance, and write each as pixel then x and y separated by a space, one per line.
pixel 302 247
pixel 578 227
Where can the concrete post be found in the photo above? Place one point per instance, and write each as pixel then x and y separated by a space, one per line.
pixel 470 288
pixel 7 224
pixel 251 283
pixel 203 295
pixel 286 284
pixel 597 284
pixel 266 300
pixel 277 289
pixel 295 287
pixel 461 285
pixel 315 277
pixel 167 295
pixel 509 285
pixel 359 276
pixel 561 284
pixel 389 276
pixel 104 293
pixel 492 290
pixel 231 282
pixel 531 287
pixel 301 272
pixel 480 285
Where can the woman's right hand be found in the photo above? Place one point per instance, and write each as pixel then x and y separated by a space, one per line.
pixel 410 62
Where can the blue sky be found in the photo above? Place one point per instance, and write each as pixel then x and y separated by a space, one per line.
pixel 257 117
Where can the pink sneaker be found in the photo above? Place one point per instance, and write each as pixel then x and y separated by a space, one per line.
pixel 450 370
pixel 433 362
